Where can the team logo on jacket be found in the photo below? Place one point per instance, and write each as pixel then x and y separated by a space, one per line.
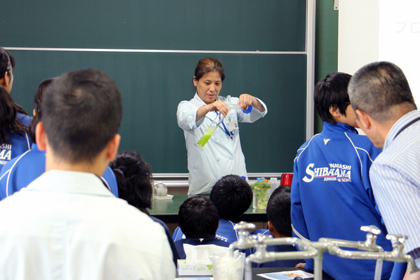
pixel 5 153
pixel 334 172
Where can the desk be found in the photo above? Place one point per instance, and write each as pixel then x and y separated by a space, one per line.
pixel 261 270
pixel 167 210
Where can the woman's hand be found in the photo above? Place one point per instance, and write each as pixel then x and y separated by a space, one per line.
pixel 245 100
pixel 217 106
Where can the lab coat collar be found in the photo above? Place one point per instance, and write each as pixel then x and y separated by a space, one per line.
pixel 70 182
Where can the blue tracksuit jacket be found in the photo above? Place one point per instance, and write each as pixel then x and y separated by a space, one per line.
pixel 332 197
pixel 18 143
pixel 22 170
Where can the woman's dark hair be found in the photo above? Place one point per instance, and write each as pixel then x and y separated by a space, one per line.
pixel 332 91
pixel 38 97
pixel 134 178
pixel 207 65
pixel 7 62
pixel 9 121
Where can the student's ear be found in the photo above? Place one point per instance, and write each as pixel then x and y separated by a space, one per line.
pixel 112 148
pixel 363 120
pixel 334 111
pixel 41 137
pixel 271 229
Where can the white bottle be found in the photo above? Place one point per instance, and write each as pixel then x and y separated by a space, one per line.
pixel 274 183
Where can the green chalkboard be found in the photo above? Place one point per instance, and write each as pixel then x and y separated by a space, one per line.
pixel 153 83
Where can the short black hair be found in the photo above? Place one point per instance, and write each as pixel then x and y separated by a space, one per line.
pixel 332 91
pixel 232 196
pixel 134 178
pixel 198 218
pixel 278 210
pixel 82 112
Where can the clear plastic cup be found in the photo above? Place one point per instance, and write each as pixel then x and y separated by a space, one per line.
pixel 227 267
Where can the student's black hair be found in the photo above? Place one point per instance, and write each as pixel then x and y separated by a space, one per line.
pixel 332 92
pixel 278 210
pixel 232 196
pixel 207 65
pixel 9 121
pixel 198 218
pixel 38 97
pixel 82 112
pixel 134 177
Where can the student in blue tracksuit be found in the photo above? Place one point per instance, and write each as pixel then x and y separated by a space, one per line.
pixel 14 137
pixel 232 196
pixel 279 226
pixel 22 170
pixel 331 193
pixel 198 219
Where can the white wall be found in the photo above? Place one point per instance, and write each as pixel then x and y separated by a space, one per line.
pixel 372 30
pixel 358 22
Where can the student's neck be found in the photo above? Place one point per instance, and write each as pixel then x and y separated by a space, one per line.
pixel 57 164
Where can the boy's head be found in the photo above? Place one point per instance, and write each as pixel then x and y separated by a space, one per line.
pixel 198 218
pixel 232 196
pixel 278 212
pixel 331 96
pixel 82 112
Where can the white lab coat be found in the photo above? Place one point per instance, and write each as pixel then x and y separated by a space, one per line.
pixel 221 155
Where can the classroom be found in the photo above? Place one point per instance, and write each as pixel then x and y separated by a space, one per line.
pixel 275 51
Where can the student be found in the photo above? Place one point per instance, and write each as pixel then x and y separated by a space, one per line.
pixel 66 224
pixel 19 172
pixel 331 193
pixel 222 155
pixel 199 220
pixel 134 177
pixel 232 196
pixel 386 112
pixel 14 137
pixel 279 225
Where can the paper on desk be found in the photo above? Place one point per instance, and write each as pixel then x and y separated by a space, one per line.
pixel 201 253
pixel 287 275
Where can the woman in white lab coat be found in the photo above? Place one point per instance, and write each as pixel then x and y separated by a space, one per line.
pixel 222 154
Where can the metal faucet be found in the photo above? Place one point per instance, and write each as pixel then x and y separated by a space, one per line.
pixel 244 242
pixel 308 249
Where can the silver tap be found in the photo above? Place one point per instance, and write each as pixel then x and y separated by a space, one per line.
pixel 308 249
pixel 244 242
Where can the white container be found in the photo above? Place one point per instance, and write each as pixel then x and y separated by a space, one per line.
pixel 274 183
